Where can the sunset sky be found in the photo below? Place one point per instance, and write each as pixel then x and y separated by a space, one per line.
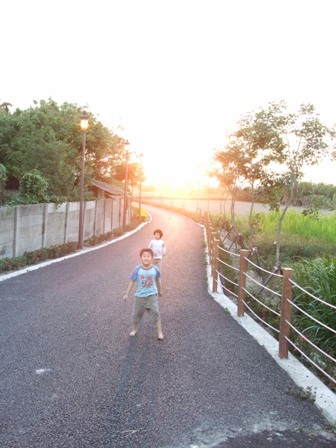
pixel 173 77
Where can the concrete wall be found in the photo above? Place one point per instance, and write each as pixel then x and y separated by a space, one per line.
pixel 26 228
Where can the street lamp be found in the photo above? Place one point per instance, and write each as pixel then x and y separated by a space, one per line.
pixel 141 156
pixel 84 126
pixel 125 190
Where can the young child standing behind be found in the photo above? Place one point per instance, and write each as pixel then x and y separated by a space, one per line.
pixel 158 247
pixel 146 277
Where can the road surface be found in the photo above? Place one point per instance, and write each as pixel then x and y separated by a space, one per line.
pixel 70 376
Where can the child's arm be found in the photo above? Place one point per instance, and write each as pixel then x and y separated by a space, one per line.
pixel 129 289
pixel 158 285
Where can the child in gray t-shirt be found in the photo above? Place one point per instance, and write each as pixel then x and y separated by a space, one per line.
pixel 146 277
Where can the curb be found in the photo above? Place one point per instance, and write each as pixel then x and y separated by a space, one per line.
pixel 76 254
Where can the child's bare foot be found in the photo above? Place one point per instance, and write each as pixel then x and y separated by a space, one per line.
pixel 159 330
pixel 134 331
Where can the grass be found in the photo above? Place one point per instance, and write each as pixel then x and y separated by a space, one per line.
pixel 321 227
pixel 302 236
pixel 318 277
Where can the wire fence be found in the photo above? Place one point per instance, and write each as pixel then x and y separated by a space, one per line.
pixel 278 303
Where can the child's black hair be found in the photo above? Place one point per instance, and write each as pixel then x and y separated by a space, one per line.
pixel 159 231
pixel 147 249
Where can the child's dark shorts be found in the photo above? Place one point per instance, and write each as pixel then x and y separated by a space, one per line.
pixel 149 304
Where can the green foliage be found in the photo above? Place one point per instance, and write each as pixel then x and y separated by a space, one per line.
pixel 37 256
pixel 318 277
pixel 268 152
pixel 3 173
pixel 143 214
pixel 48 137
pixel 316 196
pixel 311 196
pixel 33 188
pixel 304 236
pixel 3 180
pixel 307 226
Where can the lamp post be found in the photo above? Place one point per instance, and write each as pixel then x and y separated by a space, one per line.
pixel 84 126
pixel 141 156
pixel 125 191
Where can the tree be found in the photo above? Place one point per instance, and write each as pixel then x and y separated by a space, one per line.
pixel 304 141
pixel 245 158
pixel 270 150
pixel 135 173
pixel 47 137
pixel 227 173
pixel 3 180
pixel 5 106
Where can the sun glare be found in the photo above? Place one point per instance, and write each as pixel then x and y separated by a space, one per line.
pixel 174 173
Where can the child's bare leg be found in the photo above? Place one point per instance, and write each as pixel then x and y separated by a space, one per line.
pixel 159 330
pixel 134 330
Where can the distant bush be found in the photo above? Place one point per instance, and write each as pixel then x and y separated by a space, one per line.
pixel 34 188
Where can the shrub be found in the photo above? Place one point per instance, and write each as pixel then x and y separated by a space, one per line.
pixel 34 187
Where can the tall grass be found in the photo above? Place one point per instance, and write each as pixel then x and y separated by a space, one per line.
pixel 318 277
pixel 302 236
pixel 322 227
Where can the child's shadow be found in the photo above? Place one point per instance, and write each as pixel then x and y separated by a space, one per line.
pixel 135 402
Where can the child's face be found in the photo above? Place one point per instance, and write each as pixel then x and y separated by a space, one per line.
pixel 157 236
pixel 146 259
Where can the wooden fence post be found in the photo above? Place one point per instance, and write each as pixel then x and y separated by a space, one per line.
pixel 285 317
pixel 242 281
pixel 213 251
pixel 210 246
pixel 215 264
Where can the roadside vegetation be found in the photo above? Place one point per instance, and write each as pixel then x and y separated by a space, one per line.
pixel 303 236
pixel 40 154
pixel 308 247
pixel 267 153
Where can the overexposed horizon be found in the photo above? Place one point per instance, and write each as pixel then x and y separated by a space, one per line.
pixel 173 77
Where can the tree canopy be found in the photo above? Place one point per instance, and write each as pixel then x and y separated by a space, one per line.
pixel 47 137
pixel 269 151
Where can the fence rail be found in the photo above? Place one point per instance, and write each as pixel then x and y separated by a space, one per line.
pixel 273 307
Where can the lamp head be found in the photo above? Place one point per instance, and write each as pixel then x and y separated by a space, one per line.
pixel 84 121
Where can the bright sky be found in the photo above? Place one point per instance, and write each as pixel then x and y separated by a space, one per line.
pixel 175 75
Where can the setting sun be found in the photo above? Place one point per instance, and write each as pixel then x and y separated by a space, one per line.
pixel 174 170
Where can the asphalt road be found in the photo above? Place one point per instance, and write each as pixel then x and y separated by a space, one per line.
pixel 70 376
